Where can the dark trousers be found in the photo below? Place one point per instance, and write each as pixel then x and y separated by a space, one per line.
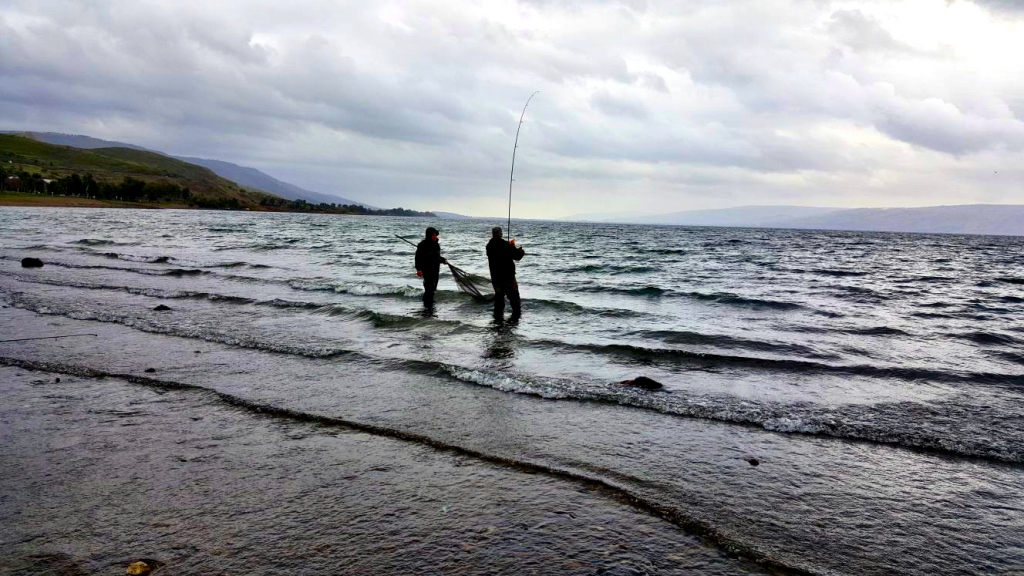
pixel 511 290
pixel 429 287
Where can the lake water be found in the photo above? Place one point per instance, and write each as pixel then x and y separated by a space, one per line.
pixel 877 379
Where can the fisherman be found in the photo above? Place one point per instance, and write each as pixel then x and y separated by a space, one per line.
pixel 502 257
pixel 428 264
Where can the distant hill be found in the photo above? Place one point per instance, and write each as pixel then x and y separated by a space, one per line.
pixel 113 165
pixel 254 178
pixel 452 216
pixel 753 216
pixel 243 175
pixel 75 140
pixel 996 219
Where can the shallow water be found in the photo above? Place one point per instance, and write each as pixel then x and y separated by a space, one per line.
pixel 877 377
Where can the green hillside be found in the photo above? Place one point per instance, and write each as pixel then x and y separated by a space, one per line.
pixel 34 173
pixel 111 166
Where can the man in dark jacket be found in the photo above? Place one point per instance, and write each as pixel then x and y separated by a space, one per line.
pixel 502 257
pixel 428 264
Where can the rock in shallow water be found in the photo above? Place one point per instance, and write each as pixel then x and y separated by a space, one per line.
pixel 642 382
pixel 162 308
pixel 144 566
pixel 31 263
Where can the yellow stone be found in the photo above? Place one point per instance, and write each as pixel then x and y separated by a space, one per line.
pixel 137 568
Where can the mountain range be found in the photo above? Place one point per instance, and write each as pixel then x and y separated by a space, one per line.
pixel 243 175
pixel 996 219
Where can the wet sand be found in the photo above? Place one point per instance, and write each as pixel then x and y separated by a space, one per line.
pixel 99 472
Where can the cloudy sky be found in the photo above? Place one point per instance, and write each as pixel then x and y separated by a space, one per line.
pixel 644 106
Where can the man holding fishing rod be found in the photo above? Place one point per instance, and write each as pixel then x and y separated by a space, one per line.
pixel 502 257
pixel 428 264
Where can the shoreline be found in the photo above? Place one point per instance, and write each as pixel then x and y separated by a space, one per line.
pixel 20 200
pixel 203 486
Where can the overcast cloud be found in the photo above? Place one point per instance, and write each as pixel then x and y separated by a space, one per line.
pixel 645 106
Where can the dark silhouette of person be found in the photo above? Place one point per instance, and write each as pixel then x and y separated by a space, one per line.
pixel 428 264
pixel 502 257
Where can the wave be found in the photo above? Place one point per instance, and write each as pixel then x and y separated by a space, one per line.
pixel 722 341
pixel 878 423
pixel 193 269
pixel 133 258
pixel 665 251
pixel 874 331
pixel 238 264
pixel 988 338
pixel 574 308
pixel 411 292
pixel 838 273
pixel 736 300
pixel 173 272
pixel 858 294
pixel 1012 357
pixel 932 315
pixel 614 269
pixel 381 319
pixel 153 326
pixel 98 242
pixel 626 352
pixel 358 289
pixel 175 261
pixel 726 298
pixel 690 522
pixel 644 355
pixel 181 272
pixel 173 294
pixel 644 291
pixel 1010 280
pixel 897 423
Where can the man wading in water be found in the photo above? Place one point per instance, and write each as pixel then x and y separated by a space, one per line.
pixel 428 264
pixel 502 257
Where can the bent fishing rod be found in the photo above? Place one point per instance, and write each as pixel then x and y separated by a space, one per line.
pixel 508 228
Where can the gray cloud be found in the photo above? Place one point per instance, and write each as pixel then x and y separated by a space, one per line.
pixel 1009 6
pixel 417 103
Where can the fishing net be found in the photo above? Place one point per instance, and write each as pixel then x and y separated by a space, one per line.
pixel 476 286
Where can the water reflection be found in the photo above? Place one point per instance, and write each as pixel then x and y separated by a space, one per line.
pixel 503 339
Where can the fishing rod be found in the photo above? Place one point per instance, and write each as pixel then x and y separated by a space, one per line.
pixel 513 171
pixel 46 337
pixel 410 243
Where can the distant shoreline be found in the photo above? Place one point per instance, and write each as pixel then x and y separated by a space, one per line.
pixel 20 200
pixel 41 201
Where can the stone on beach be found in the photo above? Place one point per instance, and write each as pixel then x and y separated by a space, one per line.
pixel 642 382
pixel 137 568
pixel 31 263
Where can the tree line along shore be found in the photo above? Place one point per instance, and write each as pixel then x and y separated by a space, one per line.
pixel 34 173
